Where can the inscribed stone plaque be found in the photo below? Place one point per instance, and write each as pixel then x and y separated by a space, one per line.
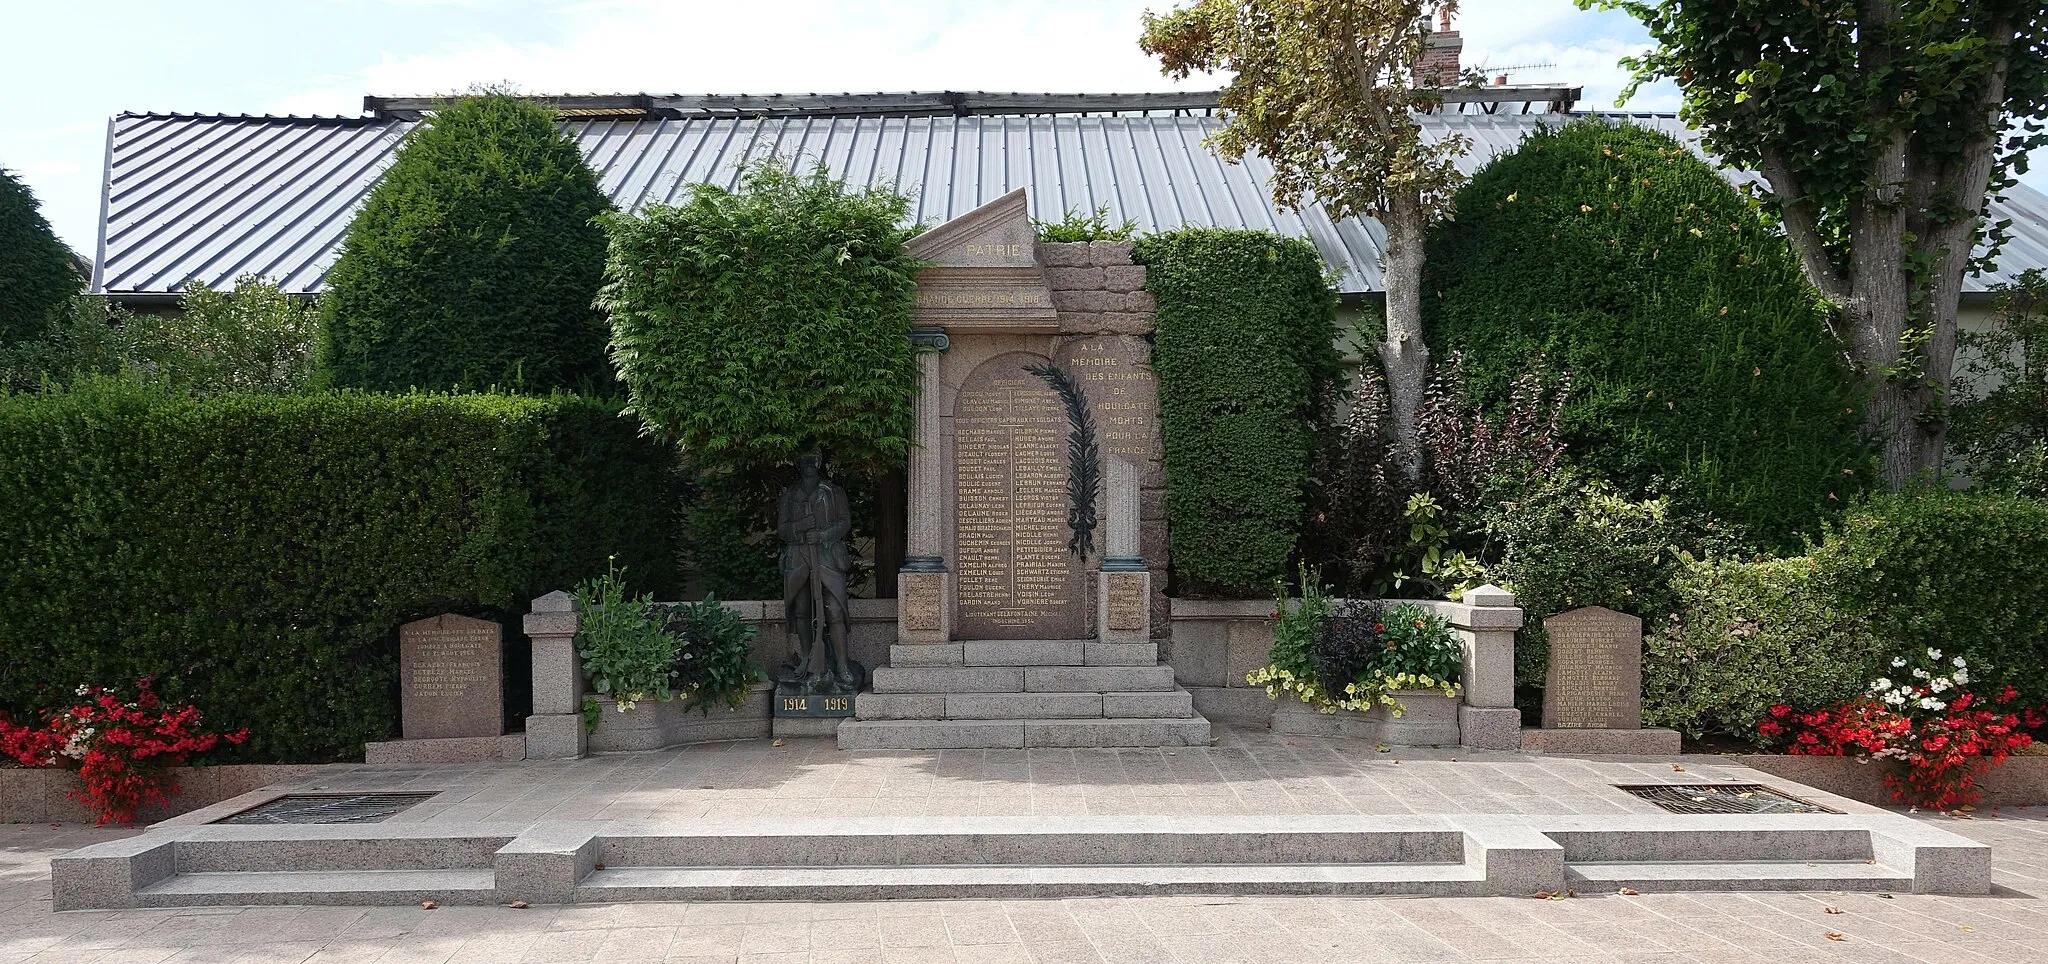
pixel 982 272
pixel 451 678
pixel 1115 372
pixel 1127 600
pixel 1014 577
pixel 917 598
pixel 1596 671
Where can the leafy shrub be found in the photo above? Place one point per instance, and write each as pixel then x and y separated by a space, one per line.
pixel 253 338
pixel 1959 571
pixel 623 642
pixel 258 553
pixel 122 748
pixel 1077 226
pixel 36 271
pixel 1700 355
pixel 714 654
pixel 474 261
pixel 1566 542
pixel 1245 352
pixel 1998 427
pixel 1747 636
pixel 87 338
pixel 753 326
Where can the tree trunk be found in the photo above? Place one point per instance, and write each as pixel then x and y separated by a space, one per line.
pixel 1404 356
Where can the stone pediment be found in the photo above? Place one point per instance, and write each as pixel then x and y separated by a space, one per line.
pixel 984 273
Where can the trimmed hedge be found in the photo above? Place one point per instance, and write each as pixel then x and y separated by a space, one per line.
pixel 36 273
pixel 1245 350
pixel 1699 354
pixel 474 262
pixel 257 553
pixel 1958 571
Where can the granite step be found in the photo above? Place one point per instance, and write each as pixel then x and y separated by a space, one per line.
pixel 957 734
pixel 1023 679
pixel 1171 704
pixel 1024 652
pixel 1705 875
pixel 1021 883
pixel 359 888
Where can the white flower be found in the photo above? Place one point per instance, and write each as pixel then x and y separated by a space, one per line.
pixel 1962 677
pixel 1933 653
pixel 1881 685
pixel 1919 673
pixel 85 689
pixel 1959 663
pixel 1895 698
pixel 1930 703
pixel 1940 683
pixel 1898 661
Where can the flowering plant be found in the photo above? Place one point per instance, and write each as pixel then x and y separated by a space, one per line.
pixel 1353 655
pixel 121 748
pixel 1927 719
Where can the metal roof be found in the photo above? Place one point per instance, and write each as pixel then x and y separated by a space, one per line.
pixel 213 197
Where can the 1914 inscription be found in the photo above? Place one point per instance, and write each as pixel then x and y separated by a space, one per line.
pixel 450 672
pixel 1014 577
pixel 1595 679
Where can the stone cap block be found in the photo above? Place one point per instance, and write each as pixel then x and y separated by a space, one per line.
pixel 1488 596
pixel 555 602
pixel 551 624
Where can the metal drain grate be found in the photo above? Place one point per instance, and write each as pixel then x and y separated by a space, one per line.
pixel 330 808
pixel 1722 798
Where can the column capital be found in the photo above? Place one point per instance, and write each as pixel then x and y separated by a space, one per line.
pixel 930 338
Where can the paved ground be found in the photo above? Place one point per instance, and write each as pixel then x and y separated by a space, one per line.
pixel 1247 773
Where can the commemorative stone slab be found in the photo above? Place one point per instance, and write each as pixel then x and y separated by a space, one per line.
pixel 451 677
pixel 1115 373
pixel 1595 679
pixel 1014 577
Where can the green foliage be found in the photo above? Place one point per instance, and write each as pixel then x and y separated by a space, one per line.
pixel 1955 570
pixel 88 337
pixel 1747 636
pixel 1419 645
pixel 1244 348
pixel 753 326
pixel 475 260
pixel 1297 623
pixel 253 338
pixel 1699 356
pixel 258 553
pixel 623 641
pixel 1998 432
pixel 1566 542
pixel 1077 226
pixel 36 271
pixel 713 655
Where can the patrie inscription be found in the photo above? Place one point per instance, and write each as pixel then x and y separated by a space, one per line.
pixel 1014 577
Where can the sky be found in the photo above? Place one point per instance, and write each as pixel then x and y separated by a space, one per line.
pixel 92 59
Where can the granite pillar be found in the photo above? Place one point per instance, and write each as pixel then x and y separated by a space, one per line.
pixel 1123 588
pixel 924 586
pixel 555 730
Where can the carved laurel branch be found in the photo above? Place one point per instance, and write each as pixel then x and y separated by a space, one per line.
pixel 1084 461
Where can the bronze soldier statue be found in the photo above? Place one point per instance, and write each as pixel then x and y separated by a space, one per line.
pixel 813 520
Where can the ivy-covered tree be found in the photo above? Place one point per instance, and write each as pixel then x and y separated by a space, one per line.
pixel 1325 91
pixel 475 260
pixel 1882 127
pixel 36 271
pixel 753 325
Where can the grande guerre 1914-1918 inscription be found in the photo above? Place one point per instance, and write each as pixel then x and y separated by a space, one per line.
pixel 1595 679
pixel 1015 578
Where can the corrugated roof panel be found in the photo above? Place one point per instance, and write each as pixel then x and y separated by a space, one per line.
pixel 212 198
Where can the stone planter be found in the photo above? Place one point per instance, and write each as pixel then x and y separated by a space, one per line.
pixel 2021 781
pixel 44 795
pixel 1431 719
pixel 651 725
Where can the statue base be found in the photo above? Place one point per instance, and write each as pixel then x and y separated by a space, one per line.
pixel 792 700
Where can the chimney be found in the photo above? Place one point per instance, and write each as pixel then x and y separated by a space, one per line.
pixel 1440 47
pixel 1500 80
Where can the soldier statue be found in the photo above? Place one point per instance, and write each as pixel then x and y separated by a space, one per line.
pixel 813 519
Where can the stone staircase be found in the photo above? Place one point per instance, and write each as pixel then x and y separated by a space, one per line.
pixel 1015 693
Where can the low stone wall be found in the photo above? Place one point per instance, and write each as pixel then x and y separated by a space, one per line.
pixel 44 795
pixel 871 622
pixel 651 725
pixel 1427 719
pixel 2021 781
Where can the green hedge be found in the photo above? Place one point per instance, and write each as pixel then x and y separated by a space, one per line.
pixel 258 553
pixel 1245 350
pixel 474 262
pixel 1699 354
pixel 36 273
pixel 1962 572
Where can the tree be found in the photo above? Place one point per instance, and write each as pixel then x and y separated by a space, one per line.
pixel 1700 359
pixel 1323 90
pixel 1882 127
pixel 475 261
pixel 254 339
pixel 36 271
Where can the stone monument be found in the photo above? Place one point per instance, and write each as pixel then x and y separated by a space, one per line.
pixel 818 682
pixel 451 694
pixel 1593 693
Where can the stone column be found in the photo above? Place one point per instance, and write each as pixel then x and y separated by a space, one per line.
pixel 1123 589
pixel 924 584
pixel 1486 620
pixel 555 729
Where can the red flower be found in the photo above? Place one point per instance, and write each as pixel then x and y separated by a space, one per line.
pixel 1781 711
